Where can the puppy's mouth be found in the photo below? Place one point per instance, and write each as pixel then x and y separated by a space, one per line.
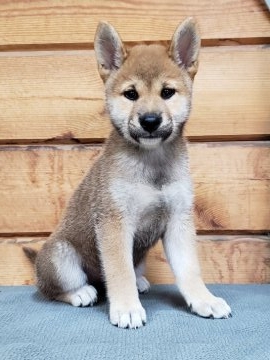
pixel 150 139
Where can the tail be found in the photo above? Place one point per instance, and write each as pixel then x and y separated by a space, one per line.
pixel 30 253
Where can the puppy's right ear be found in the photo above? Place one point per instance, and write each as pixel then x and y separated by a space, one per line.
pixel 109 49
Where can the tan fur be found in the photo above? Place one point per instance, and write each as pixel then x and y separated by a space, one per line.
pixel 138 191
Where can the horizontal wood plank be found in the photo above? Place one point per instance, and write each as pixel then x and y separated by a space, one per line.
pixel 70 21
pixel 15 269
pixel 224 259
pixel 59 95
pixel 231 182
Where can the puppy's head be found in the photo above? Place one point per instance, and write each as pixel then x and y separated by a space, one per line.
pixel 148 88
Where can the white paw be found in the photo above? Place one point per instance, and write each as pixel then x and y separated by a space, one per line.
pixel 143 284
pixel 131 318
pixel 85 296
pixel 214 307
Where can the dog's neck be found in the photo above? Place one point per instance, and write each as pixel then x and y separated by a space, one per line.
pixel 156 165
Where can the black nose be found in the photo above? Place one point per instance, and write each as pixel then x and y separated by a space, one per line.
pixel 150 121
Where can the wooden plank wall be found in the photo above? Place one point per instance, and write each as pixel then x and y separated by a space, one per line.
pixel 53 124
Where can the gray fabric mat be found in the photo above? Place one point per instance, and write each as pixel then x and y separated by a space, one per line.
pixel 33 328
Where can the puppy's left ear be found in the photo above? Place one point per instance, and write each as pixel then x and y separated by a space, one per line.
pixel 109 49
pixel 185 46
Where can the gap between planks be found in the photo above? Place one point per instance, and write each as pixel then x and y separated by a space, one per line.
pixel 212 235
pixel 86 51
pixel 99 142
pixel 73 47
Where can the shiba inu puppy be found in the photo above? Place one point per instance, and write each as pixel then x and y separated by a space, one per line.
pixel 138 191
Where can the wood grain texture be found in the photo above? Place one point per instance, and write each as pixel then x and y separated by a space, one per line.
pixel 231 182
pixel 15 268
pixel 58 95
pixel 70 21
pixel 224 259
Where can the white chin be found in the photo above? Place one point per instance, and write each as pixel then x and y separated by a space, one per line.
pixel 150 143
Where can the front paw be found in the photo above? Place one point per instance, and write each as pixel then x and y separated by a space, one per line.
pixel 214 307
pixel 131 317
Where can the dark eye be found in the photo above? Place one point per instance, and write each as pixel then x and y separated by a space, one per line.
pixel 131 94
pixel 167 93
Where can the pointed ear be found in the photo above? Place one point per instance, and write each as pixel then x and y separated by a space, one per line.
pixel 185 46
pixel 109 49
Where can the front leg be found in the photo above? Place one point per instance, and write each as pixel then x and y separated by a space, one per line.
pixel 115 241
pixel 180 248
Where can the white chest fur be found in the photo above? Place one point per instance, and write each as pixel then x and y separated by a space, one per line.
pixel 135 200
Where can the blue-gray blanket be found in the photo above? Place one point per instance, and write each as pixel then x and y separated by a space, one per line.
pixel 34 328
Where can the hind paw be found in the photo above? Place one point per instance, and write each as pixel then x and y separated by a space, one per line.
pixel 143 284
pixel 84 296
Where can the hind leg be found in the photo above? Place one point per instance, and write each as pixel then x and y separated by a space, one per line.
pixel 61 277
pixel 142 283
